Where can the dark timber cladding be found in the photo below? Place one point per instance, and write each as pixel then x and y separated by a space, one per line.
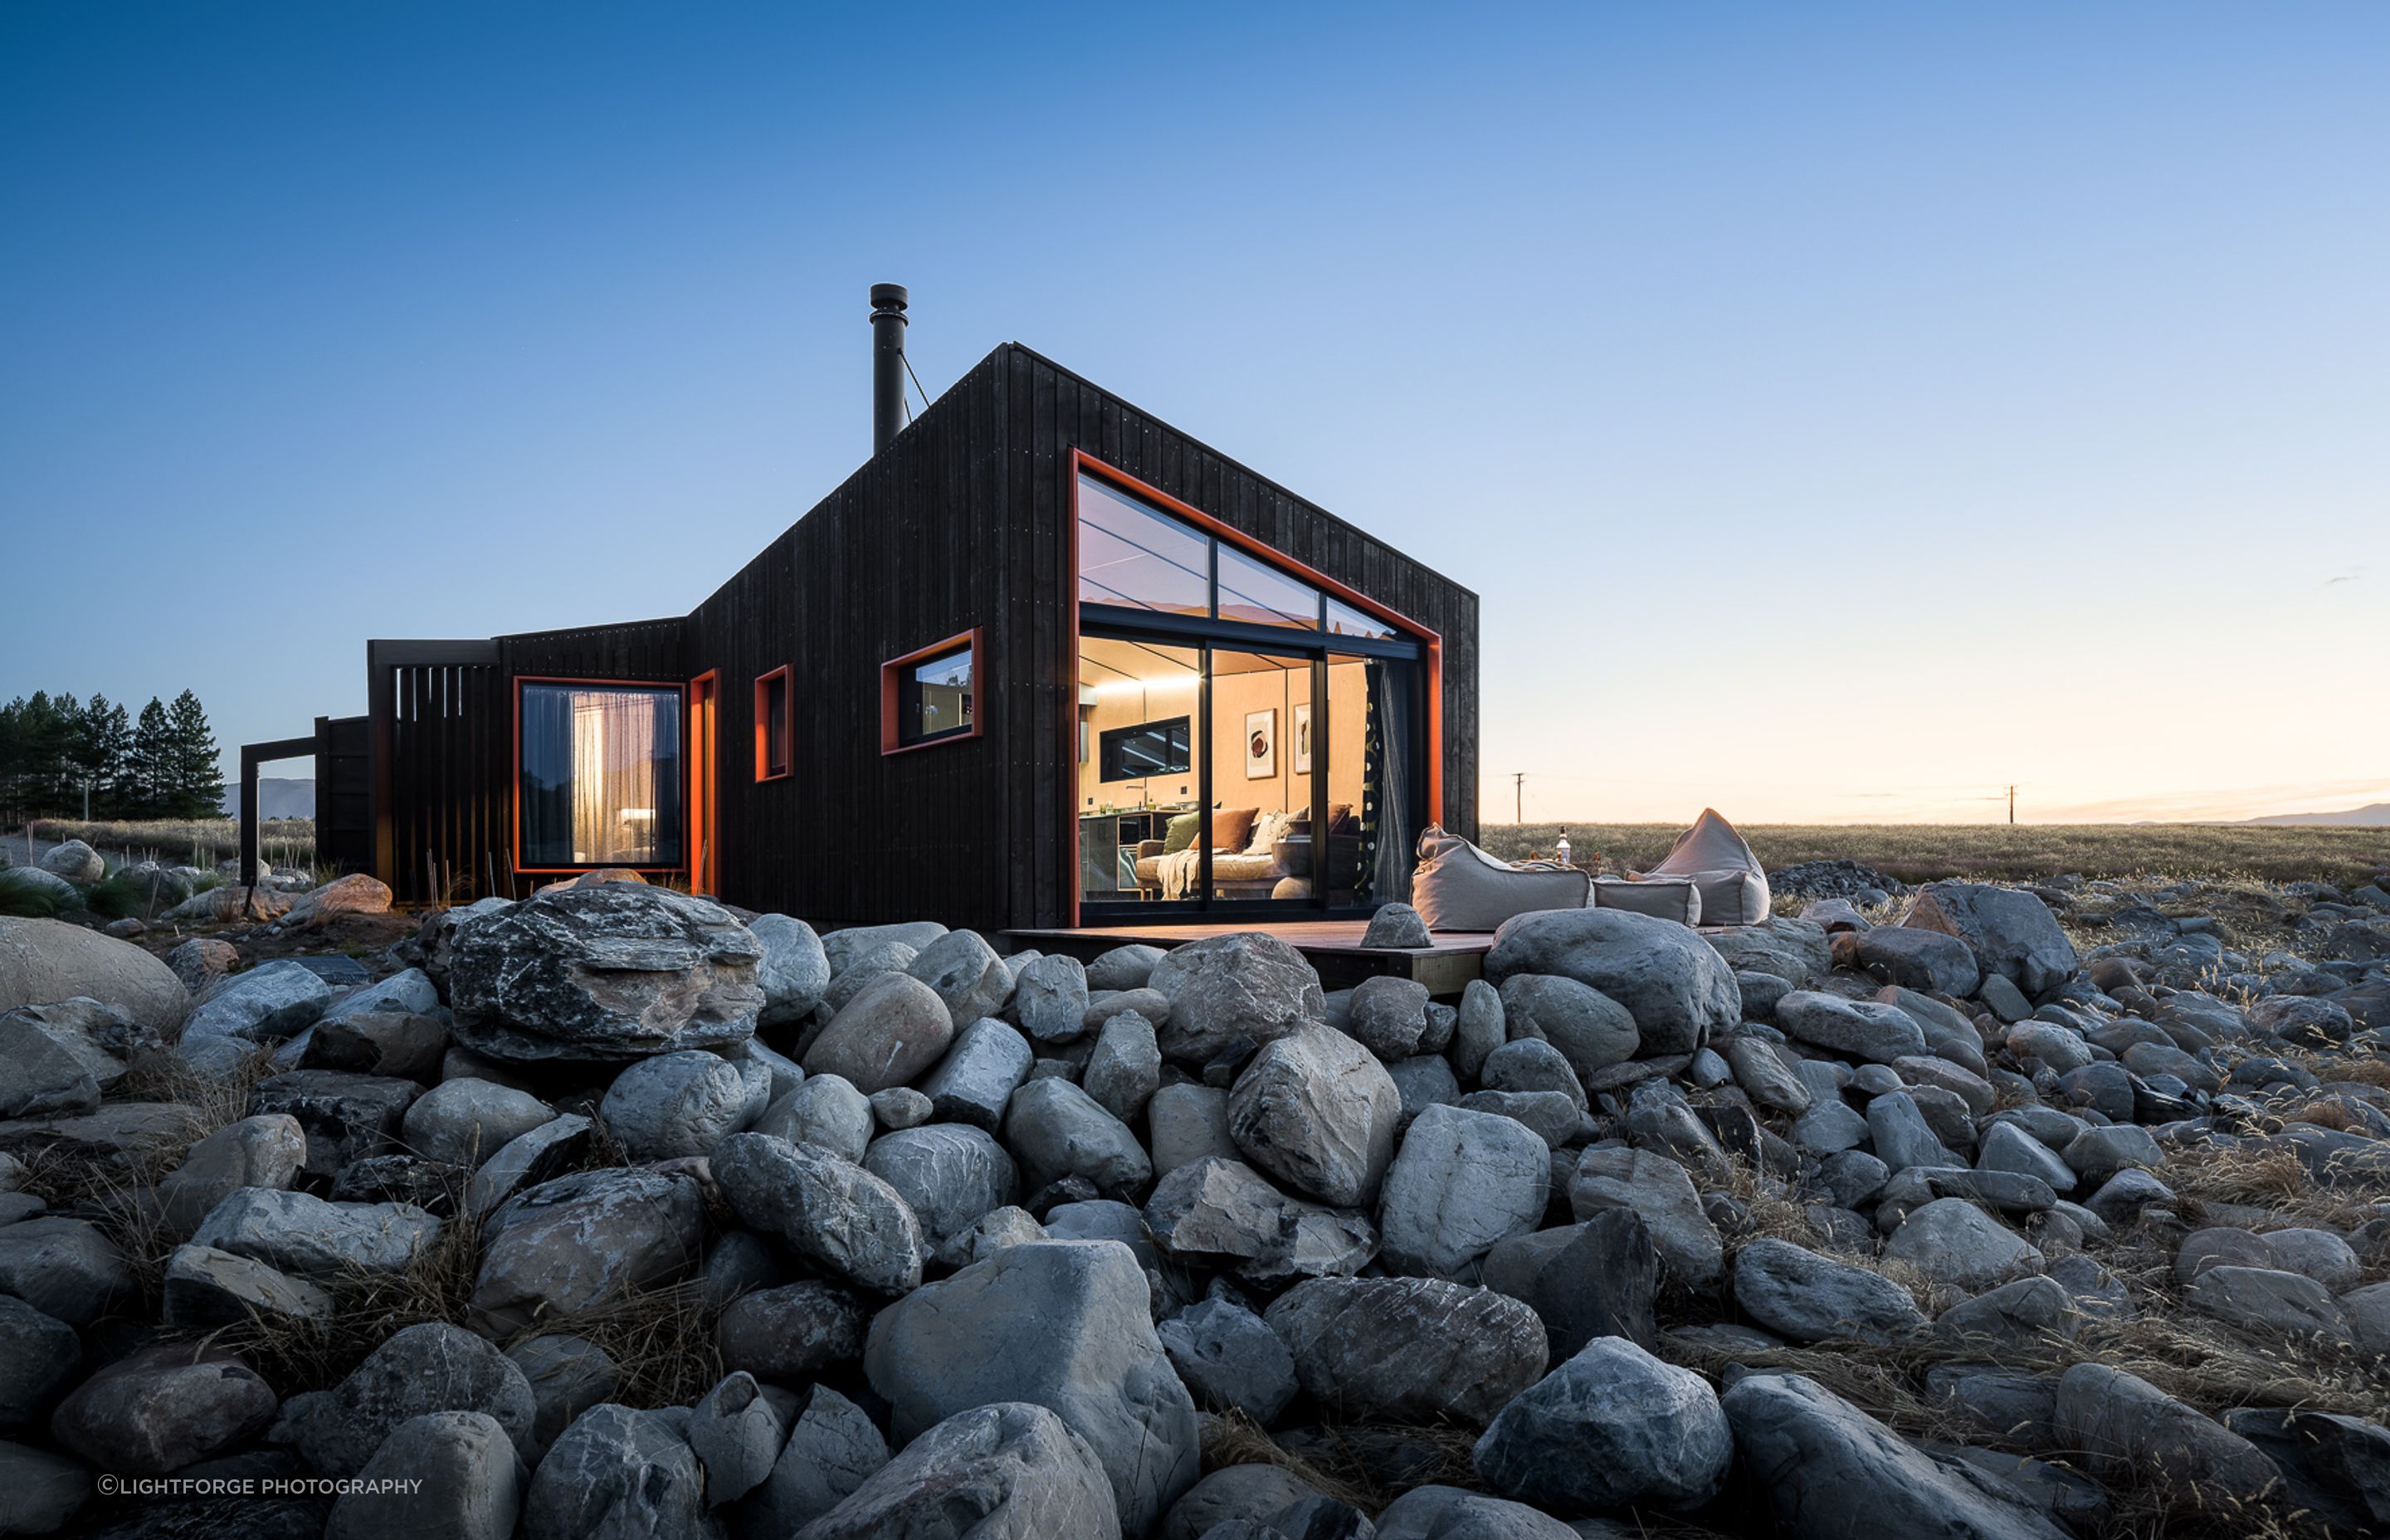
pixel 963 522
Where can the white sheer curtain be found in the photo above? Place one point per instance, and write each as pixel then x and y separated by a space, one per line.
pixel 615 805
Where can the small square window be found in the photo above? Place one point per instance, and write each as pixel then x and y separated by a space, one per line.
pixel 772 725
pixel 930 696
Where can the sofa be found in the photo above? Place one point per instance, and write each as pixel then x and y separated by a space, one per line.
pixel 1256 855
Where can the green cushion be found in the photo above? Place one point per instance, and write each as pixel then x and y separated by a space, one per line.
pixel 1181 833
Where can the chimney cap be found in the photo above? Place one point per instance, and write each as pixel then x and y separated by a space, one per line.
pixel 887 296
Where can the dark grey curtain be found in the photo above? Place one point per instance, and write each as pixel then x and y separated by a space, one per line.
pixel 1394 727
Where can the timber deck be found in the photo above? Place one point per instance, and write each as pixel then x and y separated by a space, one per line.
pixel 1334 946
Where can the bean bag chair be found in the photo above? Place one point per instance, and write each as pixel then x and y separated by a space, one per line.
pixel 1719 864
pixel 1677 898
pixel 1459 887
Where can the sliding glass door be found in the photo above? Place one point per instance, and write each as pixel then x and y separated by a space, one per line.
pixel 1247 742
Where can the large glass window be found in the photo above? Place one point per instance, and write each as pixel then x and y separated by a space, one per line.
pixel 933 698
pixel 1135 558
pixel 601 778
pixel 1264 595
pixel 1260 776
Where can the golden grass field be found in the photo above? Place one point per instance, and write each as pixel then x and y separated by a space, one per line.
pixel 1921 853
pixel 200 842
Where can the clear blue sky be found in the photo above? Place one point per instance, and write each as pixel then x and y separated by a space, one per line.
pixel 1842 411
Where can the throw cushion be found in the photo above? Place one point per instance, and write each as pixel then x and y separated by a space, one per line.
pixel 1181 832
pixel 1232 828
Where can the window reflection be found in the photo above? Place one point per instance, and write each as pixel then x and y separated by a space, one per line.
pixel 1140 742
pixel 1259 594
pixel 1133 557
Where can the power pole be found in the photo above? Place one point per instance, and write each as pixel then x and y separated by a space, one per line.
pixel 1519 797
pixel 2012 804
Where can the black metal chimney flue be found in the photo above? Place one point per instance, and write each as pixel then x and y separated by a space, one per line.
pixel 887 364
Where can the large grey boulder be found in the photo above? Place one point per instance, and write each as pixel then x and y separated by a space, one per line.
pixel 1611 1428
pixel 1596 1278
pixel 1051 998
pixel 619 1472
pixel 2269 1300
pixel 1188 1120
pixel 1316 1110
pixel 432 1366
pixel 1064 1324
pixel 46 960
pixel 1218 1212
pixel 1408 1349
pixel 737 1429
pixel 1125 1067
pixel 832 1449
pixel 967 976
pixel 615 971
pixel 408 992
pixel 1918 959
pixel 893 1030
pixel 1854 1029
pixel 203 1290
pixel 303 1235
pixel 1250 1493
pixel 1780 947
pixel 1952 1240
pixel 2130 1429
pixel 465 1122
pixel 1455 1513
pixel 1592 1031
pixel 1827 1469
pixel 824 1113
pixel 162 1408
pixel 973 1082
pixel 1056 1130
pixel 1230 1359
pixel 792 972
pixel 793 1334
pixel 40 1357
pixel 268 1003
pixel 1461 1182
pixel 74 861
pixel 948 1174
pixel 1660 1191
pixel 832 1212
pixel 2011 931
pixel 1005 1470
pixel 1678 987
pixel 461 1478
pixel 39 1076
pixel 678 1104
pixel 570 1243
pixel 1807 1298
pixel 1224 988
pixel 528 1159
pixel 568 1375
pixel 63 1267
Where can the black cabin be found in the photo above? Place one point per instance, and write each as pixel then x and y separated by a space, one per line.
pixel 1044 660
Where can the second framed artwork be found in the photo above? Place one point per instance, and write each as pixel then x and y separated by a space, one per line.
pixel 1261 744
pixel 1303 738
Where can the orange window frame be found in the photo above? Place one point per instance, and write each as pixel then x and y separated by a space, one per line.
pixel 514 790
pixel 787 677
pixel 1430 642
pixel 891 674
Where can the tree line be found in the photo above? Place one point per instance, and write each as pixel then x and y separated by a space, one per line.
pixel 59 756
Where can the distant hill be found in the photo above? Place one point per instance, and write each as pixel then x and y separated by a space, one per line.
pixel 277 796
pixel 2371 815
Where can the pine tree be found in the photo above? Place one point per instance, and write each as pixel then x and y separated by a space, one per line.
pixel 150 763
pixel 12 760
pixel 195 784
pixel 45 726
pixel 103 737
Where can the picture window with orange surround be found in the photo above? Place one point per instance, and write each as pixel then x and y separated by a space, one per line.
pixel 930 696
pixel 772 724
pixel 599 775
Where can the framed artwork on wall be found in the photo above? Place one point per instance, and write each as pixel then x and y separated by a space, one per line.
pixel 1261 744
pixel 1303 740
